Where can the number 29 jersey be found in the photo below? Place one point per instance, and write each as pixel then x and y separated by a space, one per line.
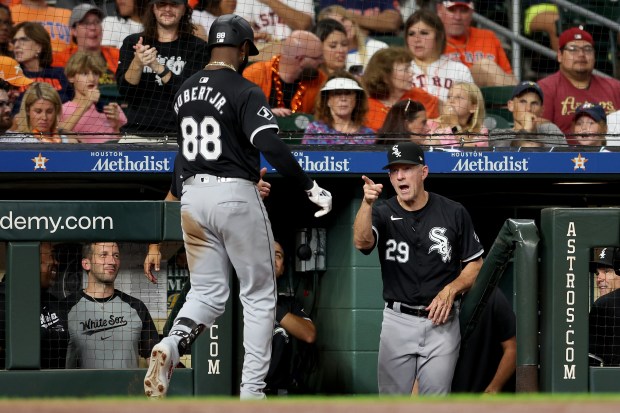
pixel 422 251
pixel 219 113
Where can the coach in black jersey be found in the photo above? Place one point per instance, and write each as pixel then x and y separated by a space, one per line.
pixel 429 255
pixel 224 124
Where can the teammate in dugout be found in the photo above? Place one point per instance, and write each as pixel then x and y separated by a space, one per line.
pixel 429 255
pixel 224 124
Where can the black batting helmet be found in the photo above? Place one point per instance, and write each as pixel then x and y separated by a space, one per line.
pixel 231 30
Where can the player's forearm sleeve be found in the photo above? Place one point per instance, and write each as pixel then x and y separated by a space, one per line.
pixel 278 154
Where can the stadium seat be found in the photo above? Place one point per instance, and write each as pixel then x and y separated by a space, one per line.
pixel 495 99
pixel 292 127
pixel 493 121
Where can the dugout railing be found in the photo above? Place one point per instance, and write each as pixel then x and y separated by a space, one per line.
pixel 25 224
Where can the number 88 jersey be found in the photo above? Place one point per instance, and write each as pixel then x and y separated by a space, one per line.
pixel 422 251
pixel 219 112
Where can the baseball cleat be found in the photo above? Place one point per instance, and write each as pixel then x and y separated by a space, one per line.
pixel 160 370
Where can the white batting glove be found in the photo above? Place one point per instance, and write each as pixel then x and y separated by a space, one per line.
pixel 322 198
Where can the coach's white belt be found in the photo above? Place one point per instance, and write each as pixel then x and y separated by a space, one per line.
pixel 206 178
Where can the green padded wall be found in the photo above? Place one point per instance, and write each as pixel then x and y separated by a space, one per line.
pixel 567 236
pixel 350 311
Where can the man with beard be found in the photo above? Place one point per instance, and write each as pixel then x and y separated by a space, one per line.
pixel 292 80
pixel 6 107
pixel 154 64
pixel 108 328
pixel 54 332
pixel 575 84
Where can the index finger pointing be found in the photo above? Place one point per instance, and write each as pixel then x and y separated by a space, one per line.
pixel 367 180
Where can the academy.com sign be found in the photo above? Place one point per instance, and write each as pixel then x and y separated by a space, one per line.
pixel 14 222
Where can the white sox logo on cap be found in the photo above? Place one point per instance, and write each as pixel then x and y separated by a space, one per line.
pixel 396 152
pixel 602 254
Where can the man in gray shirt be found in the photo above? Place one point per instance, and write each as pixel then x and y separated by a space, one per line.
pixel 526 106
pixel 107 328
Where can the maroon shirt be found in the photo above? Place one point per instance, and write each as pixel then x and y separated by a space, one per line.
pixel 561 98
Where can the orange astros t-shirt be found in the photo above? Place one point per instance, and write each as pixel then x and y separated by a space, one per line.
pixel 477 45
pixel 54 19
pixel 377 111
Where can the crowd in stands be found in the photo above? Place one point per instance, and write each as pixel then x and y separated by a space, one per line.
pixel 428 54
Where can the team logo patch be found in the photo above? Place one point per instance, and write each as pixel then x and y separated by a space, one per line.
pixel 441 244
pixel 265 113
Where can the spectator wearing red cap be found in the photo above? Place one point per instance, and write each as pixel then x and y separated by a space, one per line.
pixel 575 84
pixel 478 49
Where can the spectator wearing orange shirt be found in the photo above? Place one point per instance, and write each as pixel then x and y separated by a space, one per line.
pixel 54 19
pixel 292 80
pixel 478 49
pixel 388 79
pixel 87 35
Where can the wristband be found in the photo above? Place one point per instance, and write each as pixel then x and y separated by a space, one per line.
pixel 164 73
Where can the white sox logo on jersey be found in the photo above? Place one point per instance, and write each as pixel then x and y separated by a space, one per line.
pixel 441 243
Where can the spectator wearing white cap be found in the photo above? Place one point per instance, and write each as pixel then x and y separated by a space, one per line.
pixel 340 113
pixel 575 83
pixel 478 49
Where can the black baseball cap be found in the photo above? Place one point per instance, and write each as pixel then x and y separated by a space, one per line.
pixel 405 153
pixel 527 86
pixel 604 257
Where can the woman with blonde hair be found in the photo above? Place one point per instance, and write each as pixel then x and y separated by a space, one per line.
pixel 462 117
pixel 361 47
pixel 38 117
pixel 340 113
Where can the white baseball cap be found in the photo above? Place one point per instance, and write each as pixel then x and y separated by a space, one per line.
pixel 341 83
